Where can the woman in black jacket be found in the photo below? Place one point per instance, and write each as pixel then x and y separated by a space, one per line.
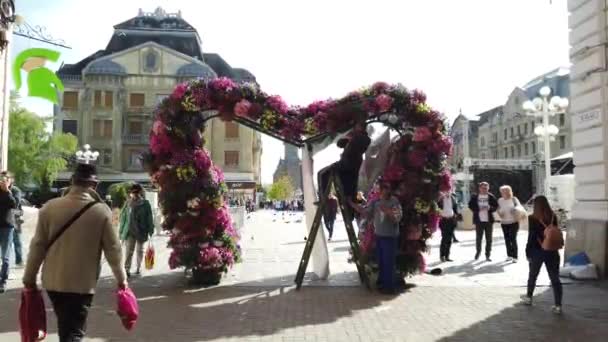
pixel 543 216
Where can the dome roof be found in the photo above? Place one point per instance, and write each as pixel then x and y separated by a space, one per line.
pixel 105 67
pixel 196 70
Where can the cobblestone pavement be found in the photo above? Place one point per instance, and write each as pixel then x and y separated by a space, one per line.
pixel 257 302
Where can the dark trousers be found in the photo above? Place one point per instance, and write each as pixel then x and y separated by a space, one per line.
pixel 71 310
pixel 349 181
pixel 329 224
pixel 551 261
pixel 386 250
pixel 447 226
pixel 510 233
pixel 480 229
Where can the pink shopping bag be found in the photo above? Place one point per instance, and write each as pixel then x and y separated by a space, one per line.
pixel 127 307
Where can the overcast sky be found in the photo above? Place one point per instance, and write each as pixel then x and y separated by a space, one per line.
pixel 463 54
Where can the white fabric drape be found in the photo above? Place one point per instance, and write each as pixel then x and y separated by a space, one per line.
pixel 320 255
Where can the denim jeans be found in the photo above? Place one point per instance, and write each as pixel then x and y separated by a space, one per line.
pixel 386 249
pixel 6 240
pixel 18 246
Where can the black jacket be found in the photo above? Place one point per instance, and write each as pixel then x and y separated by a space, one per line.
pixel 454 205
pixel 474 206
pixel 8 204
pixel 535 235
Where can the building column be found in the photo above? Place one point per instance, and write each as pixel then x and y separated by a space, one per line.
pixel 588 230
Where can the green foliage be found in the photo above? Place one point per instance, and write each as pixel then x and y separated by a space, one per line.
pixel 281 190
pixel 119 193
pixel 35 155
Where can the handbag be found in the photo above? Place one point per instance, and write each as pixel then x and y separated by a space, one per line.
pixel 520 212
pixel 554 240
pixel 149 258
pixel 32 312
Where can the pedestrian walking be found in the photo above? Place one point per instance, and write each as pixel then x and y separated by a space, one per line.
pixel 71 234
pixel 508 206
pixel 18 217
pixel 386 214
pixel 136 226
pixel 542 249
pixel 329 217
pixel 447 224
pixel 8 204
pixel 483 205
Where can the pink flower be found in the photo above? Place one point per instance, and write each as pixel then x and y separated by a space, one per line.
pixel 202 160
pixel 422 134
pixel 417 158
pixel 393 173
pixel 210 258
pixel 418 97
pixel 158 127
pixel 179 91
pixel 241 108
pixel 160 143
pixel 384 102
pixel 222 84
pixel 442 145
pixel 445 182
pixel 433 223
pixel 174 260
pixel 380 87
pixel 277 104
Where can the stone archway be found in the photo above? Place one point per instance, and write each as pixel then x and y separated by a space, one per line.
pixel 192 187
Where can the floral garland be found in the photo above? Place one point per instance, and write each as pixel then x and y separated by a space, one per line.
pixel 192 187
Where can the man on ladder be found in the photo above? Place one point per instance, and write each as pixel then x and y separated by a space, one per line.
pixel 344 175
pixel 347 168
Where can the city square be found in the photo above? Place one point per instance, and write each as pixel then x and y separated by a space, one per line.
pixel 178 175
pixel 257 300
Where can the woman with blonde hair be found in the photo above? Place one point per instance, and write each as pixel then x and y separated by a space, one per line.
pixel 508 206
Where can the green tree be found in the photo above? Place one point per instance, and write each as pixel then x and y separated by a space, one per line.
pixel 281 190
pixel 35 155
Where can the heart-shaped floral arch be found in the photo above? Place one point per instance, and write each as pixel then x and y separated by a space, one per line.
pixel 192 187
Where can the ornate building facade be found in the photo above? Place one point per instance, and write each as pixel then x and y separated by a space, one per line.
pixel 110 97
pixel 502 138
pixel 290 166
pixel 588 229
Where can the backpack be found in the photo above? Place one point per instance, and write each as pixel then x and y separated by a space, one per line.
pixel 554 240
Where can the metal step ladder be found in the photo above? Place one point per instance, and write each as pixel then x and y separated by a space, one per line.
pixel 316 224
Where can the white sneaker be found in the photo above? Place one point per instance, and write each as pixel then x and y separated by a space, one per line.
pixel 525 300
pixel 556 309
pixel 509 259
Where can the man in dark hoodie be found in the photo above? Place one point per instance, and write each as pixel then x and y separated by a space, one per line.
pixel 347 168
pixel 8 204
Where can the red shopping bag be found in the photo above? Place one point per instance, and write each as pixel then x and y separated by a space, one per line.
pixel 32 316
pixel 149 258
pixel 127 307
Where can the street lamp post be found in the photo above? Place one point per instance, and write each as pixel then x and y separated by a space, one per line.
pixel 86 155
pixel 543 107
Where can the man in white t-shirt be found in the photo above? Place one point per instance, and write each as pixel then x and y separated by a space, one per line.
pixel 483 205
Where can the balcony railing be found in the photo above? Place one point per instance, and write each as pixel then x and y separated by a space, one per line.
pixel 136 139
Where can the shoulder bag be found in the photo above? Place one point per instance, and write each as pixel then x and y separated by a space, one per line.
pixel 554 240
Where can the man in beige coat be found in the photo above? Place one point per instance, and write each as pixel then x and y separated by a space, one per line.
pixel 70 270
